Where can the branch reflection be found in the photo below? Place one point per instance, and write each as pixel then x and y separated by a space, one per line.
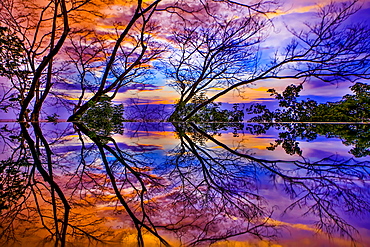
pixel 323 188
pixel 82 185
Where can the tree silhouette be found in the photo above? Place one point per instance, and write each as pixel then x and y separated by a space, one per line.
pixel 328 50
pixel 351 108
pixel 11 57
pixel 104 117
pixel 62 47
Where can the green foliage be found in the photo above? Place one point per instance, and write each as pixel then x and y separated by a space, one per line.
pixel 211 118
pixel 104 117
pixel 11 54
pixel 211 112
pixel 354 135
pixel 12 65
pixel 186 130
pixel 351 108
pixel 52 118
pixel 13 182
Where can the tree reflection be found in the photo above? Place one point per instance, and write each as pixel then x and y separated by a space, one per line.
pixel 218 191
pixel 354 135
pixel 323 188
pixel 202 192
pixel 34 199
pixel 125 171
pixel 352 108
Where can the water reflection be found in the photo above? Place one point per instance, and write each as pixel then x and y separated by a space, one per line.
pixel 356 136
pixel 160 184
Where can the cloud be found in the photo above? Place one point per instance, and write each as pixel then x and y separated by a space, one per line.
pixel 139 147
pixel 319 88
pixel 140 87
pixel 135 101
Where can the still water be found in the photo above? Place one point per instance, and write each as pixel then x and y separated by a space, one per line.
pixel 163 184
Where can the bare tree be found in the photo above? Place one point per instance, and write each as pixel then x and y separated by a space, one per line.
pixel 136 45
pixel 42 29
pixel 62 45
pixel 124 60
pixel 213 53
pixel 328 49
pixel 208 49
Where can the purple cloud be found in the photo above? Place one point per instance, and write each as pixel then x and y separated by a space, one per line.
pixel 140 87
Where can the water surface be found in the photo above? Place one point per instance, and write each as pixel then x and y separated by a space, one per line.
pixel 158 184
